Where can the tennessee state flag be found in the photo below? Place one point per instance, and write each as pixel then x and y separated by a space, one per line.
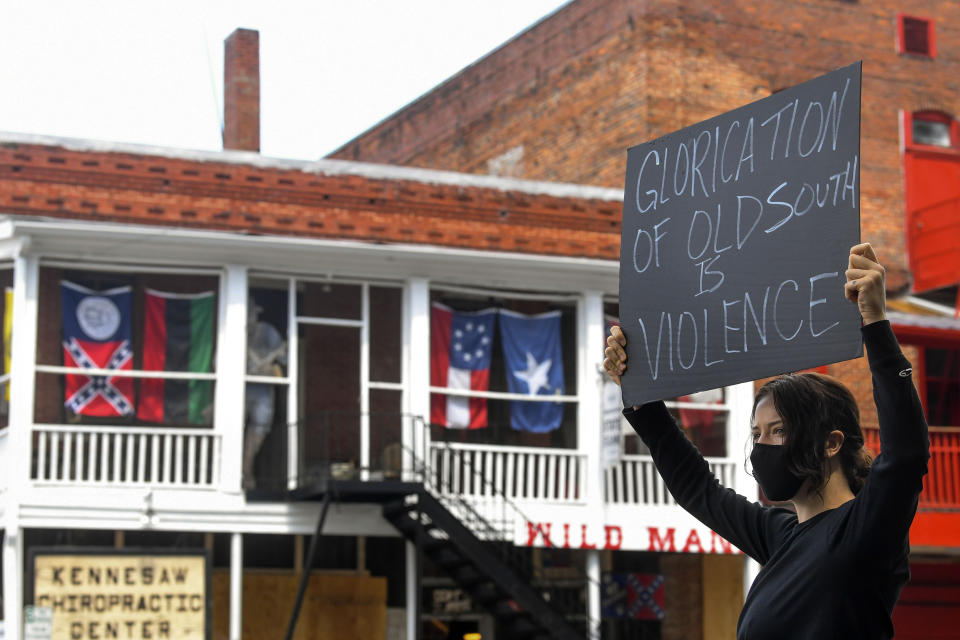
pixel 460 347
pixel 96 335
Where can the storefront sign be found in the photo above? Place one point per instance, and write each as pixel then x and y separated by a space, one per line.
pixel 107 593
pixel 735 239
pixel 581 535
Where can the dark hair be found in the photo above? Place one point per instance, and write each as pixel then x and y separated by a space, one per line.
pixel 811 406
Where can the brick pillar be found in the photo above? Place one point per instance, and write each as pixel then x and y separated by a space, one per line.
pixel 241 91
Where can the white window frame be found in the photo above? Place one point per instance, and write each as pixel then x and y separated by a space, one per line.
pixel 292 378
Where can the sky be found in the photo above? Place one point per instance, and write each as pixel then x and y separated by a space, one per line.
pixel 145 72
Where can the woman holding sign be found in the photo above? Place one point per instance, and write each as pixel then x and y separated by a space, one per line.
pixel 835 567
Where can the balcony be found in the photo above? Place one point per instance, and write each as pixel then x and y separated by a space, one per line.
pixel 131 457
pixel 941 486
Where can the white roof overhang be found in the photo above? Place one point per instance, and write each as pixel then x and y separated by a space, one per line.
pixel 131 244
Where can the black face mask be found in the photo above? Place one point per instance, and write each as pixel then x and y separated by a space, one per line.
pixel 770 469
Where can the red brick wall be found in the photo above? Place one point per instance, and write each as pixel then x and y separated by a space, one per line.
pixel 602 75
pixel 54 181
pixel 578 89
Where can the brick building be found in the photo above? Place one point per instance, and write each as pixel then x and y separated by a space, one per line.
pixel 433 532
pixel 563 100
pixel 346 258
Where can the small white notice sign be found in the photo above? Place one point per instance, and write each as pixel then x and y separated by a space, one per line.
pixel 37 623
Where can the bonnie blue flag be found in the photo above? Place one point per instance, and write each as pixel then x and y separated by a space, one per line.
pixel 534 363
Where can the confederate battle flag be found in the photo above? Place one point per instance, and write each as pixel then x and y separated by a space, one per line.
pixel 637 596
pixel 96 335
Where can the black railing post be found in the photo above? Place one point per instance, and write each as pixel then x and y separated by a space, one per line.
pixel 308 565
pixel 418 614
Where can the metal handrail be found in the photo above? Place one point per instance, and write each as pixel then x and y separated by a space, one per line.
pixel 508 504
pixel 416 466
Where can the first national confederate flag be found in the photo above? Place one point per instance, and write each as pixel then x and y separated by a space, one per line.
pixel 460 347
pixel 96 335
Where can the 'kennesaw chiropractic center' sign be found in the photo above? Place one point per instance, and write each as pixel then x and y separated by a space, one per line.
pixel 108 593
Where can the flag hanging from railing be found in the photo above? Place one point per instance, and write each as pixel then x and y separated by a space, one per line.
pixel 534 363
pixel 177 336
pixel 96 335
pixel 633 596
pixel 460 346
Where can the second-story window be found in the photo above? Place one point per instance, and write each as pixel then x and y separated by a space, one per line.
pixel 915 36
pixel 941 385
pixel 324 385
pixel 934 128
pixel 120 327
pixel 492 352
pixel 703 425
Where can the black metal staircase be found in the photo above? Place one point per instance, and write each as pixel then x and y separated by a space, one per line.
pixel 493 573
pixel 477 552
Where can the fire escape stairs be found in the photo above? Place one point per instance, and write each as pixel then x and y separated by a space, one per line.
pixel 492 572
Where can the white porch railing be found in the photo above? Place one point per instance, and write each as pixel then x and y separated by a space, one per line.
pixel 635 480
pixel 518 473
pixel 125 456
pixel 5 477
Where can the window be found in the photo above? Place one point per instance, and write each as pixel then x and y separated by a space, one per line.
pixel 704 426
pixel 941 382
pixel 915 36
pixel 933 128
pixel 497 321
pixel 125 377
pixel 132 323
pixel 936 371
pixel 338 345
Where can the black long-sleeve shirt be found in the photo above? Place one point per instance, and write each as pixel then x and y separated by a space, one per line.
pixel 838 574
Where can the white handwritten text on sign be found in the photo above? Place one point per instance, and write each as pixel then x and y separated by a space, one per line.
pixel 735 239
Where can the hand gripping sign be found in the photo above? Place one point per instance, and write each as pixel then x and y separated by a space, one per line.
pixel 735 239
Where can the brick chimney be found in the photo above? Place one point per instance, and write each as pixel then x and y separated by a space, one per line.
pixel 241 91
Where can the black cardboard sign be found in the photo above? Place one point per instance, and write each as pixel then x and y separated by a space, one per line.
pixel 735 239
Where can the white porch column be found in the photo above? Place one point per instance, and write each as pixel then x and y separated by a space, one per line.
pixel 13 582
pixel 593 594
pixel 740 399
pixel 416 370
pixel 293 388
pixel 589 361
pixel 413 594
pixel 589 436
pixel 231 368
pixel 26 275
pixel 236 586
